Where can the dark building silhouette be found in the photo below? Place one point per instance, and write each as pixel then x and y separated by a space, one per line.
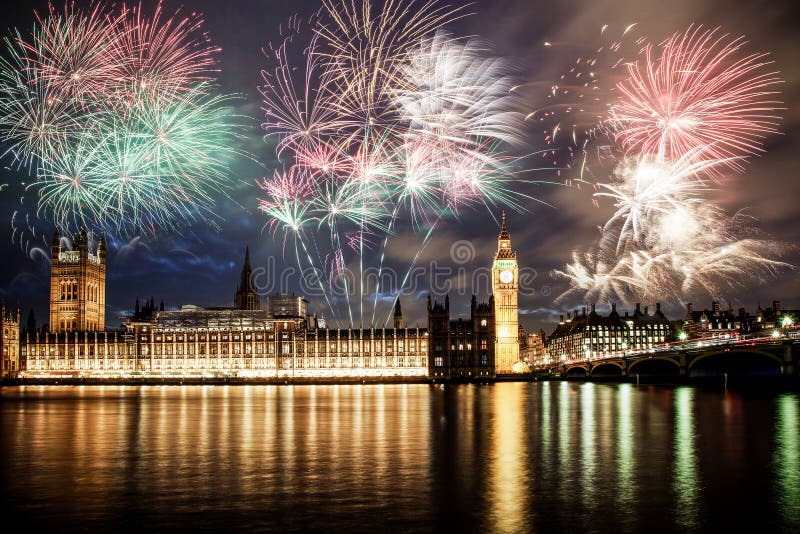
pixel 461 347
pixel 398 315
pixel 246 298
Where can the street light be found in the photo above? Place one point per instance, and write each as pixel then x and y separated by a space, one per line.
pixel 683 336
pixel 776 334
pixel 787 321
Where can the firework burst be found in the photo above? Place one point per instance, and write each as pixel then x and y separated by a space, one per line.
pixel 697 92
pixel 115 113
pixel 389 121
pixel 688 112
pixel 666 239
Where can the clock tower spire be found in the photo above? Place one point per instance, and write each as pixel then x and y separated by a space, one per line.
pixel 505 286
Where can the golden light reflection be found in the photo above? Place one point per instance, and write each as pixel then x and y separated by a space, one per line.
pixel 565 430
pixel 509 474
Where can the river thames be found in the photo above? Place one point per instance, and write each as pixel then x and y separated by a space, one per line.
pixel 508 457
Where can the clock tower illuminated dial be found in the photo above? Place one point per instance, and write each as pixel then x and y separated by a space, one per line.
pixel 506 310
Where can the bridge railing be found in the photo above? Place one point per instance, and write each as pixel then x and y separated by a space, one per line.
pixel 731 340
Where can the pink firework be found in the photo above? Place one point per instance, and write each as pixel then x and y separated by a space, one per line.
pixel 321 159
pixel 287 185
pixel 698 93
pixel 165 52
pixel 296 101
pixel 77 53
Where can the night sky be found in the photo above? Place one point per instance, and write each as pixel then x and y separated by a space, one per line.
pixel 201 264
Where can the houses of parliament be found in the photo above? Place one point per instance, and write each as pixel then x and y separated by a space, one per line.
pixel 247 341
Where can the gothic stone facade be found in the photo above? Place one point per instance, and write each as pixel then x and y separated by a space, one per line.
pixel 228 342
pixel 77 285
pixel 9 342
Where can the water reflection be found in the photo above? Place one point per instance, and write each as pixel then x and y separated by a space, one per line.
pixel 685 474
pixel 511 457
pixel 509 477
pixel 787 460
pixel 625 455
pixel 589 449
pixel 566 472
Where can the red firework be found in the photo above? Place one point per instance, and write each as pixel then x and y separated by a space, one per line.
pixel 698 93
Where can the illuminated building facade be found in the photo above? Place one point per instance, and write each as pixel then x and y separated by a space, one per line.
pixel 77 285
pixel 532 348
pixel 237 341
pixel 229 342
pixel 588 336
pixel 505 287
pixel 285 305
pixel 9 342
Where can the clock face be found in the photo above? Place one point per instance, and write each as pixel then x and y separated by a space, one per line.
pixel 506 276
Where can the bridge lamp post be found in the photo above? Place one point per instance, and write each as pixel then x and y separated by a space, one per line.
pixel 787 321
pixel 683 336
pixel 776 334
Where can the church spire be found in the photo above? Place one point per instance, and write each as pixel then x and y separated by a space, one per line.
pixel 246 297
pixel 246 270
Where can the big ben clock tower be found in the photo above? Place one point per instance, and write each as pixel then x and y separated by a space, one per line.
pixel 505 285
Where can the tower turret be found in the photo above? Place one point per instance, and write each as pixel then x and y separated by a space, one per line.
pixel 77 285
pixel 55 247
pixel 101 249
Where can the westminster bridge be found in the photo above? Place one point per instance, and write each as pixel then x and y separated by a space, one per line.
pixel 697 358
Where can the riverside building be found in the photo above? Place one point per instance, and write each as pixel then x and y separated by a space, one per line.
pixel 247 341
pixel 589 336
pixel 9 342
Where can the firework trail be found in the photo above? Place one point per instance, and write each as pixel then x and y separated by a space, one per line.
pixel 572 112
pixel 116 114
pixel 388 121
pixel 688 113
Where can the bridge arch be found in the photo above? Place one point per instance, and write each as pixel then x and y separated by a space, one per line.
pixel 732 352
pixel 605 366
pixel 576 370
pixel 673 367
